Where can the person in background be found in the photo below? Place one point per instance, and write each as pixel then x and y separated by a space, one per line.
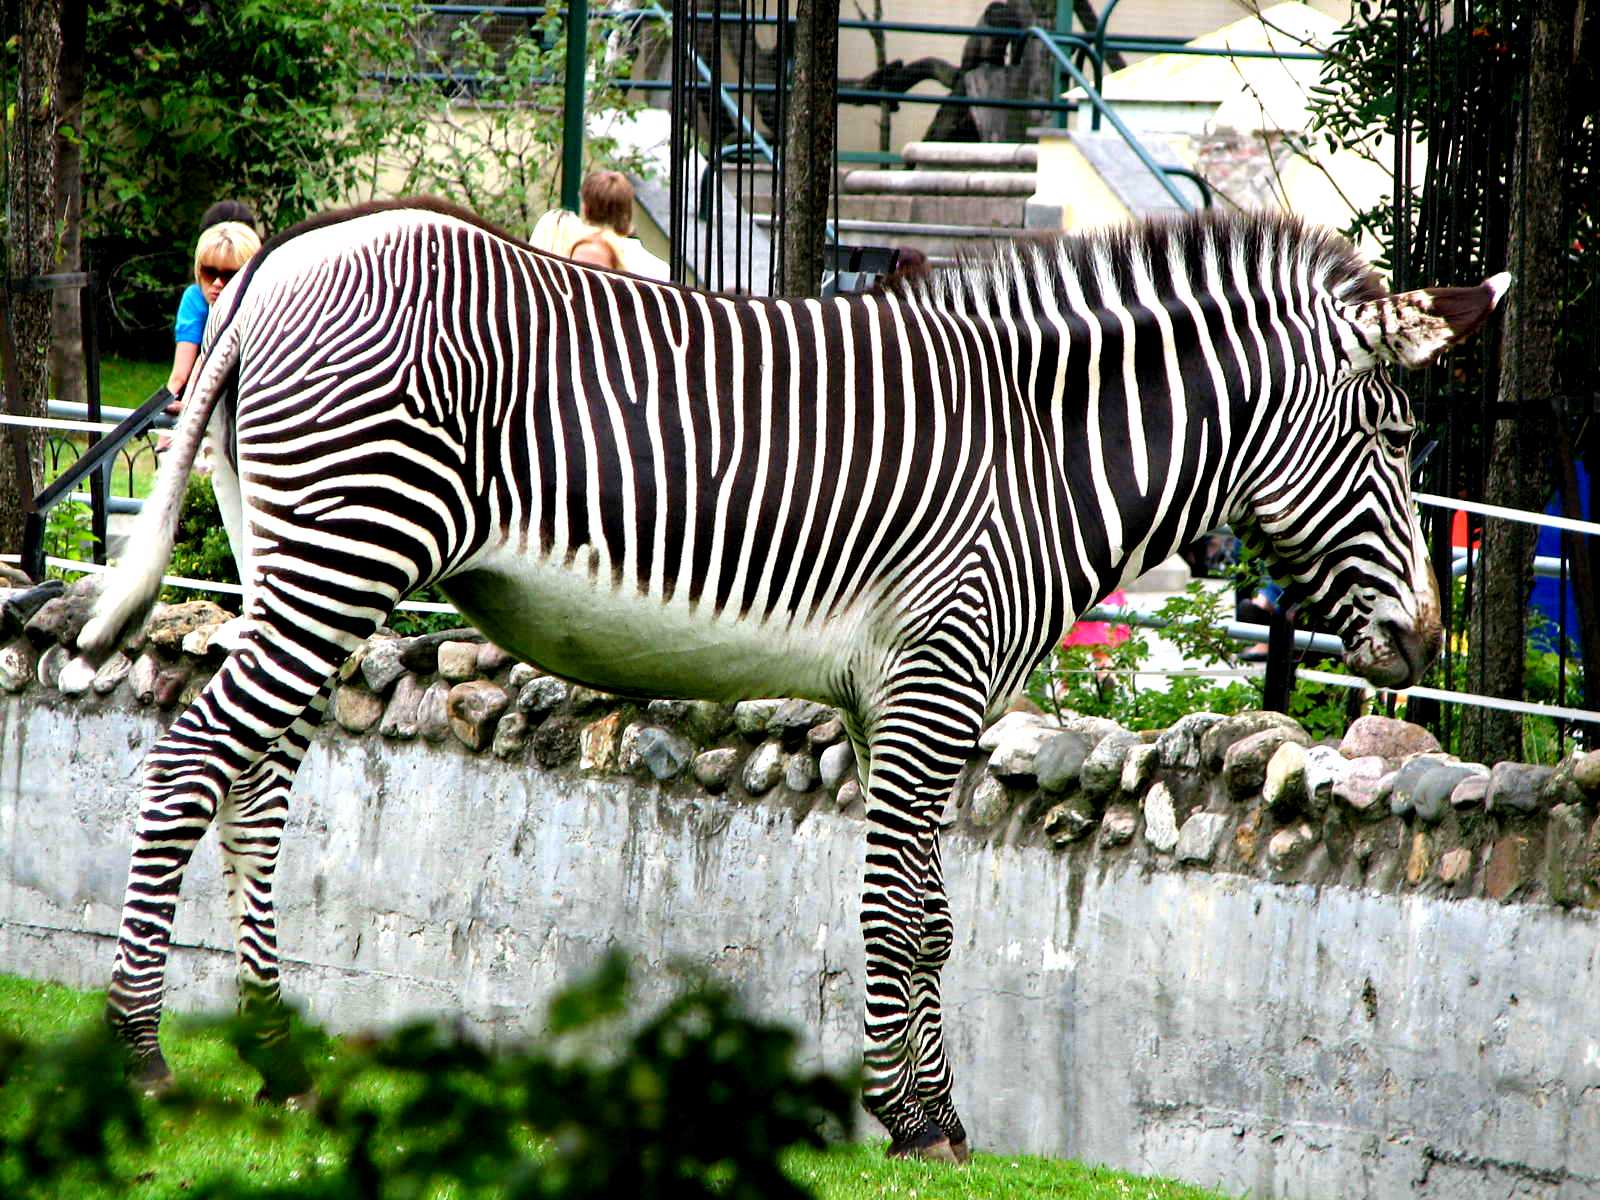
pixel 230 210
pixel 223 248
pixel 570 236
pixel 605 204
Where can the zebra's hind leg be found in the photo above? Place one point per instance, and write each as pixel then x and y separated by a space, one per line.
pixel 918 748
pixel 250 829
pixel 934 1079
pixel 262 688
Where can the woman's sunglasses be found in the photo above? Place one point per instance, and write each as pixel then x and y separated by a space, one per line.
pixel 217 274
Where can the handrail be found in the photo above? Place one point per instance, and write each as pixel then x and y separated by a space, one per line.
pixel 90 460
pixel 1094 97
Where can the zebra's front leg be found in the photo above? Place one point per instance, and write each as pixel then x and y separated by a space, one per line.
pixel 917 752
pixel 250 829
pixel 934 1080
pixel 260 691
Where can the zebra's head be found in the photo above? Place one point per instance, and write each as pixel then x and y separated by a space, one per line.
pixel 1335 518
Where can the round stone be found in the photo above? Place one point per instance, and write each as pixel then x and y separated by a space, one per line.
pixel 800 774
pixel 1387 738
pixel 17 664
pixel 1101 773
pixel 991 802
pixel 356 709
pixel 511 735
pixel 649 749
pixel 750 717
pixel 1216 741
pixel 793 719
pixel 1118 826
pixel 458 661
pixel 1244 762
pixel 400 717
pixel 1060 760
pixel 836 764
pixel 433 717
pixel 1160 819
pixel 1513 786
pixel 474 707
pixel 540 697
pixel 1430 795
pixel 764 769
pixel 381 668
pixel 557 742
pixel 1069 822
pixel 714 769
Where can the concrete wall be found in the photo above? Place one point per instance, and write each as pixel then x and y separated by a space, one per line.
pixel 1269 1038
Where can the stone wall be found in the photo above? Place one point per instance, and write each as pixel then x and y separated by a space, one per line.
pixel 1218 952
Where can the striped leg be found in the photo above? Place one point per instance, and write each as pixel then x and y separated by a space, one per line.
pixel 927 1017
pixel 262 689
pixel 918 748
pixel 250 828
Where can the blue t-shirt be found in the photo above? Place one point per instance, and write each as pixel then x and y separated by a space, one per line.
pixel 192 312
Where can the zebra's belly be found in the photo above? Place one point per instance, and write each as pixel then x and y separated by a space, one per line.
pixel 586 631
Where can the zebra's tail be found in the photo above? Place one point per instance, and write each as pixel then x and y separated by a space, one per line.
pixel 130 590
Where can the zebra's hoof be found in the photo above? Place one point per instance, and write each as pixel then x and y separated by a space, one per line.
pixel 928 1145
pixel 151 1077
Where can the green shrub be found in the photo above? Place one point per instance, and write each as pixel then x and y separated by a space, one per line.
pixel 202 551
pixel 694 1100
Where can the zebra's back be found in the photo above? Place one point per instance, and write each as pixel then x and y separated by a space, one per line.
pixel 652 489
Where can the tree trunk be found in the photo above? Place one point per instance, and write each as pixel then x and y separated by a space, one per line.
pixel 30 235
pixel 66 350
pixel 808 145
pixel 1519 473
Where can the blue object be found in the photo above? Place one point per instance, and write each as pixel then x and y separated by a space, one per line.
pixel 192 312
pixel 1546 596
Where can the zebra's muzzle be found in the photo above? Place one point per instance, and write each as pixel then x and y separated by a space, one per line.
pixel 1393 653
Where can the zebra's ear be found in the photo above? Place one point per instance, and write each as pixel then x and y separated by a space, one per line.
pixel 1412 329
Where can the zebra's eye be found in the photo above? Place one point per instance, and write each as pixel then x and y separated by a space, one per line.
pixel 1397 440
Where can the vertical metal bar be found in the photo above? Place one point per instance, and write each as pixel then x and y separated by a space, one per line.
pixel 572 111
pixel 1279 682
pixel 99 480
pixel 1063 24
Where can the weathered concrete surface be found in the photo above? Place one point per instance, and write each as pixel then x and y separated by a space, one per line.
pixel 1277 1040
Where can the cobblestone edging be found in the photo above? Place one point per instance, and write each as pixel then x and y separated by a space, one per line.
pixel 1384 811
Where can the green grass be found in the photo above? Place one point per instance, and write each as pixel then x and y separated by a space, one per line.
pixel 232 1138
pixel 124 383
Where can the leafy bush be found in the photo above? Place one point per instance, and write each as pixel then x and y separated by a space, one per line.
pixel 694 1100
pixel 297 105
pixel 69 533
pixel 1103 680
pixel 202 551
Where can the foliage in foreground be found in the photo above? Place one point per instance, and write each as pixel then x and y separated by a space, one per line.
pixel 698 1100
pixel 198 1146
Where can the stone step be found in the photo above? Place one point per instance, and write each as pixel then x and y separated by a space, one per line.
pixel 990 155
pixel 939 183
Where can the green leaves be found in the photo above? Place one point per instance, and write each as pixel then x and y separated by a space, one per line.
pixel 694 1099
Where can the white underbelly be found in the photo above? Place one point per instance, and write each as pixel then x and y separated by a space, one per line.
pixel 563 622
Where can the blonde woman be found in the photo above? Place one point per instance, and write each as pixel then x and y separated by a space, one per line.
pixel 222 250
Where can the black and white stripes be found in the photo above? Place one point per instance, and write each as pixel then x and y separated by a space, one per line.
pixel 892 503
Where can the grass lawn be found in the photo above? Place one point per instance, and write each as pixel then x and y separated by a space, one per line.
pixel 124 383
pixel 263 1147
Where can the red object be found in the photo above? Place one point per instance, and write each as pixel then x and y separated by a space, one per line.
pixel 1099 633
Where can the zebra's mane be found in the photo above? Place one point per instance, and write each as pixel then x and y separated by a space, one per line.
pixel 1010 275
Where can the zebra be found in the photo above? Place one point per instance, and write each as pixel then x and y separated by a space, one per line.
pixel 891 503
